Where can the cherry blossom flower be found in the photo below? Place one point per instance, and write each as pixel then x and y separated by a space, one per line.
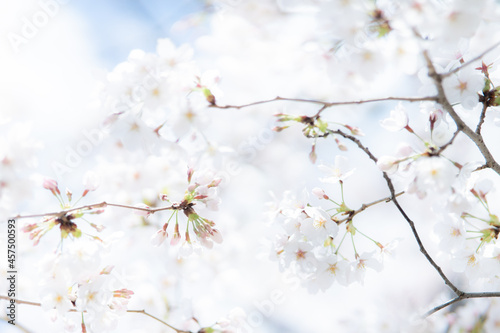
pixel 94 295
pixel 318 226
pixel 468 260
pixel 463 87
pixel 451 233
pixel 433 173
pixel 91 182
pixel 331 270
pixel 397 120
pixel 337 172
pixel 160 236
pixel 301 254
pixel 388 164
pixel 363 261
pixel 55 295
pixel 482 187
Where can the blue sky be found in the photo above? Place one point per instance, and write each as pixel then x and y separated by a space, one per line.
pixel 118 26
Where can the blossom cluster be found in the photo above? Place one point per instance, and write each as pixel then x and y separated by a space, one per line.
pixel 65 219
pixel 202 188
pixel 466 226
pixel 74 280
pixel 158 94
pixel 313 241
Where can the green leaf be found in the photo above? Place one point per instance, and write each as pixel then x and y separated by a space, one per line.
pixel 322 125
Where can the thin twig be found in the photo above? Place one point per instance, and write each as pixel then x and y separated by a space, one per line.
pixel 442 306
pixel 460 298
pixel 467 63
pixel 158 319
pixel 443 147
pixel 94 206
pixel 277 98
pixel 356 141
pixel 18 301
pixel 327 104
pixel 365 206
pixel 419 241
pixel 63 212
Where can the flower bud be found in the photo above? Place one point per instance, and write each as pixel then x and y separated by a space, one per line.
pixel 51 184
pixel 320 193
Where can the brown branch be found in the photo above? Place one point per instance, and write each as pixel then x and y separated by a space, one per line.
pixel 419 241
pixel 393 196
pixel 460 294
pixel 277 98
pixel 460 298
pixel 461 126
pixel 442 306
pixel 158 319
pixel 465 64
pixel 327 104
pixel 94 206
pixel 481 118
pixel 353 213
pixel 18 301
pixel 356 141
pixel 443 147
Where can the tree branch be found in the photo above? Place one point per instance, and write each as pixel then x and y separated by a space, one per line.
pixel 327 104
pixel 481 118
pixel 461 126
pixel 158 319
pixel 405 216
pixel 460 298
pixel 443 147
pixel 18 301
pixel 365 206
pixel 94 206
pixel 465 64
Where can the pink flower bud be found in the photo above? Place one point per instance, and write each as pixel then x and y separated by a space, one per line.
pixel 190 174
pixel 51 184
pixel 320 193
pixel 69 194
pixel 177 236
pixel 216 236
pixel 123 293
pixel 215 182
pixel 355 130
pixel 312 154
